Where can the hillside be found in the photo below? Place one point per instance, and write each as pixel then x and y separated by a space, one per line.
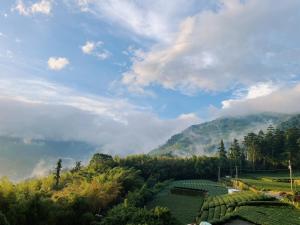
pixel 203 138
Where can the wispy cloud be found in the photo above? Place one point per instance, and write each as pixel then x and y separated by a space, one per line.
pixel 156 20
pixel 40 7
pixel 95 49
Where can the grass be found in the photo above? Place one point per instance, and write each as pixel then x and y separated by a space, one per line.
pixel 274 175
pixel 278 182
pixel 267 185
pixel 186 208
pixel 269 215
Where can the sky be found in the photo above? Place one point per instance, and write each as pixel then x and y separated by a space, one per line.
pixel 127 74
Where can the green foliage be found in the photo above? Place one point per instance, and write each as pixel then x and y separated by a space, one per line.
pixel 184 207
pixel 266 185
pixel 273 149
pixel 77 167
pixel 57 172
pixel 125 215
pixel 206 136
pixel 116 191
pixel 269 215
pixel 215 208
pixel 3 220
pixel 101 162
pixel 85 195
pixel 211 187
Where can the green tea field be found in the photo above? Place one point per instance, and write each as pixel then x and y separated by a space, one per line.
pixel 186 208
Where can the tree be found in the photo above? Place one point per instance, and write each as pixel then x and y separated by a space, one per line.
pixel 222 158
pixel 3 220
pixel 57 172
pixel 77 167
pixel 291 144
pixel 252 148
pixel 235 155
pixel 100 162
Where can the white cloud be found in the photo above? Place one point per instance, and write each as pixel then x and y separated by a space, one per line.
pixel 36 109
pixel 41 7
pixel 280 100
pixel 57 63
pixel 45 166
pixel 252 92
pixel 88 47
pixel 157 20
pixel 21 8
pixel 242 43
pixel 95 49
pixel 41 169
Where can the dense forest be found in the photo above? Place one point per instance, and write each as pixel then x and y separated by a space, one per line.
pixel 270 150
pixel 112 191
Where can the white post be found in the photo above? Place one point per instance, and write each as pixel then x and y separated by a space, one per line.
pixel 236 176
pixel 291 175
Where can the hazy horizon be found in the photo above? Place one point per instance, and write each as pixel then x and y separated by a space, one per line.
pixel 127 75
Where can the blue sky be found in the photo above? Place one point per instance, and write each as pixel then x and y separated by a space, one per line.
pixel 139 71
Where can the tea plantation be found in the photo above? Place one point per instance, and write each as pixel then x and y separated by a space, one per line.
pixel 185 208
pixel 218 207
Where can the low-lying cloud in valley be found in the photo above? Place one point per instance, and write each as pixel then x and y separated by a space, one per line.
pixel 60 113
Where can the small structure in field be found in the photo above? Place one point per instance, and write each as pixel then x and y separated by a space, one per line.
pixel 232 190
pixel 204 223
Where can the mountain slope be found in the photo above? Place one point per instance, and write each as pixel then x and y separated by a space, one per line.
pixel 293 121
pixel 204 138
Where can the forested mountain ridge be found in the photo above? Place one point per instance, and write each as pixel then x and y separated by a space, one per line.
pixel 204 138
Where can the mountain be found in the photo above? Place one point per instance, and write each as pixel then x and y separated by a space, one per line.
pixel 293 121
pixel 21 158
pixel 204 138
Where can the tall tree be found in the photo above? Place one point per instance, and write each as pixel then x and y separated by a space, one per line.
pixel 222 158
pixel 57 172
pixel 235 155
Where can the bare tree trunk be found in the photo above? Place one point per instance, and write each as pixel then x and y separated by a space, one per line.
pixel 219 173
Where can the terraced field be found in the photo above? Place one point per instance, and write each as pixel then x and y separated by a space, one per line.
pixel 218 207
pixel 186 208
pixel 211 187
pixel 269 215
pixel 222 206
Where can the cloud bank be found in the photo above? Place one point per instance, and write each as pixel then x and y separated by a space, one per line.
pixel 241 43
pixel 268 99
pixel 60 113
